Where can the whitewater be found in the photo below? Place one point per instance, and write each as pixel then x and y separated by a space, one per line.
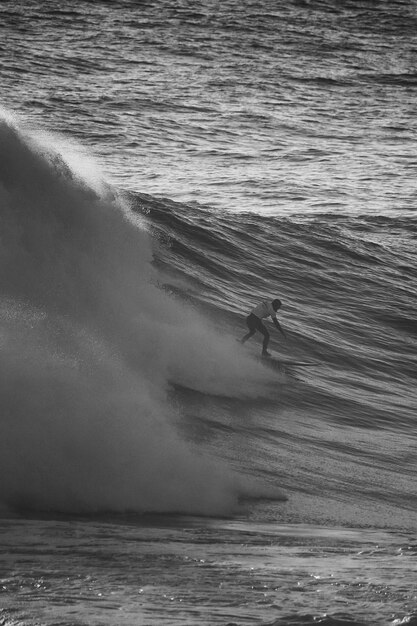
pixel 94 343
pixel 163 168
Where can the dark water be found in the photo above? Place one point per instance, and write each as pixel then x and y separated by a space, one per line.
pixel 163 167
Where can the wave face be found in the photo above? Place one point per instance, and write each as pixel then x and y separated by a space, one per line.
pixel 347 285
pixel 344 430
pixel 89 346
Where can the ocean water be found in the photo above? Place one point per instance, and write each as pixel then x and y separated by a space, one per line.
pixel 164 166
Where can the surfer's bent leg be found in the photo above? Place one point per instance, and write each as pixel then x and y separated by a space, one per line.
pixel 252 325
pixel 265 333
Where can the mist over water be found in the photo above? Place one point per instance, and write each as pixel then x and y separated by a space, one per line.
pixel 89 348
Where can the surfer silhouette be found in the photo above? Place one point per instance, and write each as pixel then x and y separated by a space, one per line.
pixel 254 322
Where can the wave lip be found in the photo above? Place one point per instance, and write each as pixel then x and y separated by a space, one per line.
pixel 89 345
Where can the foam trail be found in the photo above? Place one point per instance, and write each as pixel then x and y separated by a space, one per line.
pixel 88 345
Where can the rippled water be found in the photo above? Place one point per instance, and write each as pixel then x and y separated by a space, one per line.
pixel 185 572
pixel 290 107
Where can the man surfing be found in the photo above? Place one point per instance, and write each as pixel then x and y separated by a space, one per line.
pixel 254 322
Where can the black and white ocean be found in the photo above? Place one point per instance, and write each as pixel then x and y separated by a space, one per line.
pixel 164 166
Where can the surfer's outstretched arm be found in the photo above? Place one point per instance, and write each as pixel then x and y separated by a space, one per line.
pixel 278 325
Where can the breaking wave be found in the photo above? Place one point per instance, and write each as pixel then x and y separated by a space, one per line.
pixel 90 345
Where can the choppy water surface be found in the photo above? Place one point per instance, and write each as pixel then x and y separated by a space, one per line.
pixel 216 572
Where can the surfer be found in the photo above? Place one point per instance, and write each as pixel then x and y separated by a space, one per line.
pixel 254 322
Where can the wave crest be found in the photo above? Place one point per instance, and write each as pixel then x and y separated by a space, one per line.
pixel 89 345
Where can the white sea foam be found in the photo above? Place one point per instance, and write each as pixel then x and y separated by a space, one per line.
pixel 89 345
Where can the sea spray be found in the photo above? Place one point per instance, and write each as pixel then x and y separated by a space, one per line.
pixel 89 346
